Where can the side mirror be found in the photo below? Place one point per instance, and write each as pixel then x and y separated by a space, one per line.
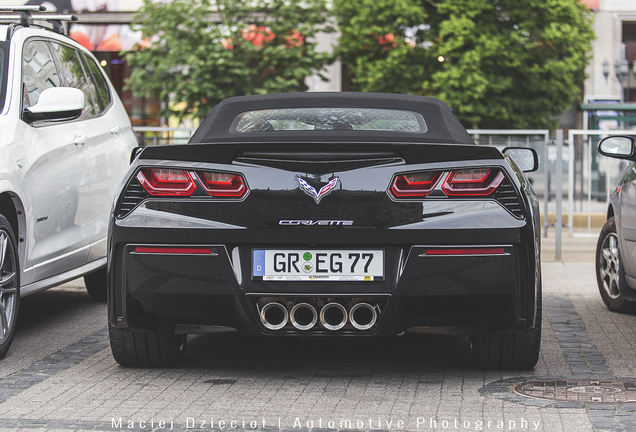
pixel 526 158
pixel 56 103
pixel 617 146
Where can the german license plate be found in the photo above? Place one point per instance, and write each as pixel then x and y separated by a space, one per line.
pixel 329 265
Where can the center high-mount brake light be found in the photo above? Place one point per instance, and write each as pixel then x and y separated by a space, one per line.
pixel 415 184
pixel 222 184
pixel 166 182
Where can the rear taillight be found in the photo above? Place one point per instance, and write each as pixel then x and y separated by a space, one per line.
pixel 472 182
pixel 415 184
pixel 222 184
pixel 175 182
pixel 166 182
pixel 468 182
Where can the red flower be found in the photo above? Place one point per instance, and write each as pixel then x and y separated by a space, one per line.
pixel 227 43
pixel 386 41
pixel 294 39
pixel 258 35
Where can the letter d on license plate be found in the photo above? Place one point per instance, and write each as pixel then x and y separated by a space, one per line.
pixel 330 265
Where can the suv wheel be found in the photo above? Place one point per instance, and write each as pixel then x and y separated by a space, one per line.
pixel 9 285
pixel 610 275
pixel 162 348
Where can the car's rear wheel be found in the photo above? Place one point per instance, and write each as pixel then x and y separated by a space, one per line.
pixel 147 349
pixel 610 275
pixel 510 350
pixel 96 284
pixel 9 285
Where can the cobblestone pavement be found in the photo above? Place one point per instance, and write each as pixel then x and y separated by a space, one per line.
pixel 60 375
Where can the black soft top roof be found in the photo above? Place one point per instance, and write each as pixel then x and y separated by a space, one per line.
pixel 442 124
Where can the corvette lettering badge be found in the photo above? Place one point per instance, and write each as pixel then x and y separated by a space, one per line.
pixel 317 195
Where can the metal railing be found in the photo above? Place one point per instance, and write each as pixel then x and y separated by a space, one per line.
pixel 539 140
pixel 150 135
pixel 607 175
pixel 555 160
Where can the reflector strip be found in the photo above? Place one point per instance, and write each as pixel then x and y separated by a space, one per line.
pixel 172 250
pixel 466 251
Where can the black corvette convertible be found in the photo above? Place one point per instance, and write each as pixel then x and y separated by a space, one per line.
pixel 327 215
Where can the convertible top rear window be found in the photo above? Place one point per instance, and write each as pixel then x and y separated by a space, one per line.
pixel 328 119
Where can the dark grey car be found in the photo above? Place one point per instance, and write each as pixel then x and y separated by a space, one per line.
pixel 616 247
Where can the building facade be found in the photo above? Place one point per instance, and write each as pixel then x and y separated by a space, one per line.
pixel 612 69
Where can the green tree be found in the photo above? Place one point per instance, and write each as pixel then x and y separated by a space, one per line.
pixel 197 61
pixel 506 63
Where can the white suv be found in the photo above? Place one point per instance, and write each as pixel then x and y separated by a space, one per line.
pixel 65 147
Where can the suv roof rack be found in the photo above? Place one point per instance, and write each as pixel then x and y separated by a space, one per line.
pixel 23 16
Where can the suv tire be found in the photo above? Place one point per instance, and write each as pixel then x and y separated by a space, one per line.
pixel 96 284
pixel 9 285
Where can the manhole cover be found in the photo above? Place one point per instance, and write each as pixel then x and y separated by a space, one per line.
pixel 580 390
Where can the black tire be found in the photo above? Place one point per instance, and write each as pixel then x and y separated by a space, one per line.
pixel 516 350
pixel 9 285
pixel 147 349
pixel 506 350
pixel 96 284
pixel 610 275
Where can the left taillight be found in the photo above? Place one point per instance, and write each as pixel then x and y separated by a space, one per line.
pixel 222 184
pixel 166 182
pixel 176 182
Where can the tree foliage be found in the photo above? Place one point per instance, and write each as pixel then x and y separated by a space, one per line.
pixel 507 63
pixel 196 61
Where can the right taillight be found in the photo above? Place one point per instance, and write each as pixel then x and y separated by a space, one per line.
pixel 166 182
pixel 415 184
pixel 467 182
pixel 472 182
pixel 222 184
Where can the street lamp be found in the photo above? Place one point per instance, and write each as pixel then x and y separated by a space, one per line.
pixel 622 73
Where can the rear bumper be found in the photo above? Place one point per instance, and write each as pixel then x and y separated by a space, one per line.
pixel 496 291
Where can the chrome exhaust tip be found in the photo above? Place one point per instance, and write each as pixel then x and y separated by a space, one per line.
pixel 363 316
pixel 333 316
pixel 303 316
pixel 274 316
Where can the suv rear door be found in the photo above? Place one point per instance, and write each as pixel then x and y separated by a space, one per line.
pixel 56 174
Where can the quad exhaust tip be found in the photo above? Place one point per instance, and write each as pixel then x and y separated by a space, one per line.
pixel 274 316
pixel 303 316
pixel 363 316
pixel 333 316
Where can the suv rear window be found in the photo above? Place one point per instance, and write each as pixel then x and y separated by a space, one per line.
pixel 328 119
